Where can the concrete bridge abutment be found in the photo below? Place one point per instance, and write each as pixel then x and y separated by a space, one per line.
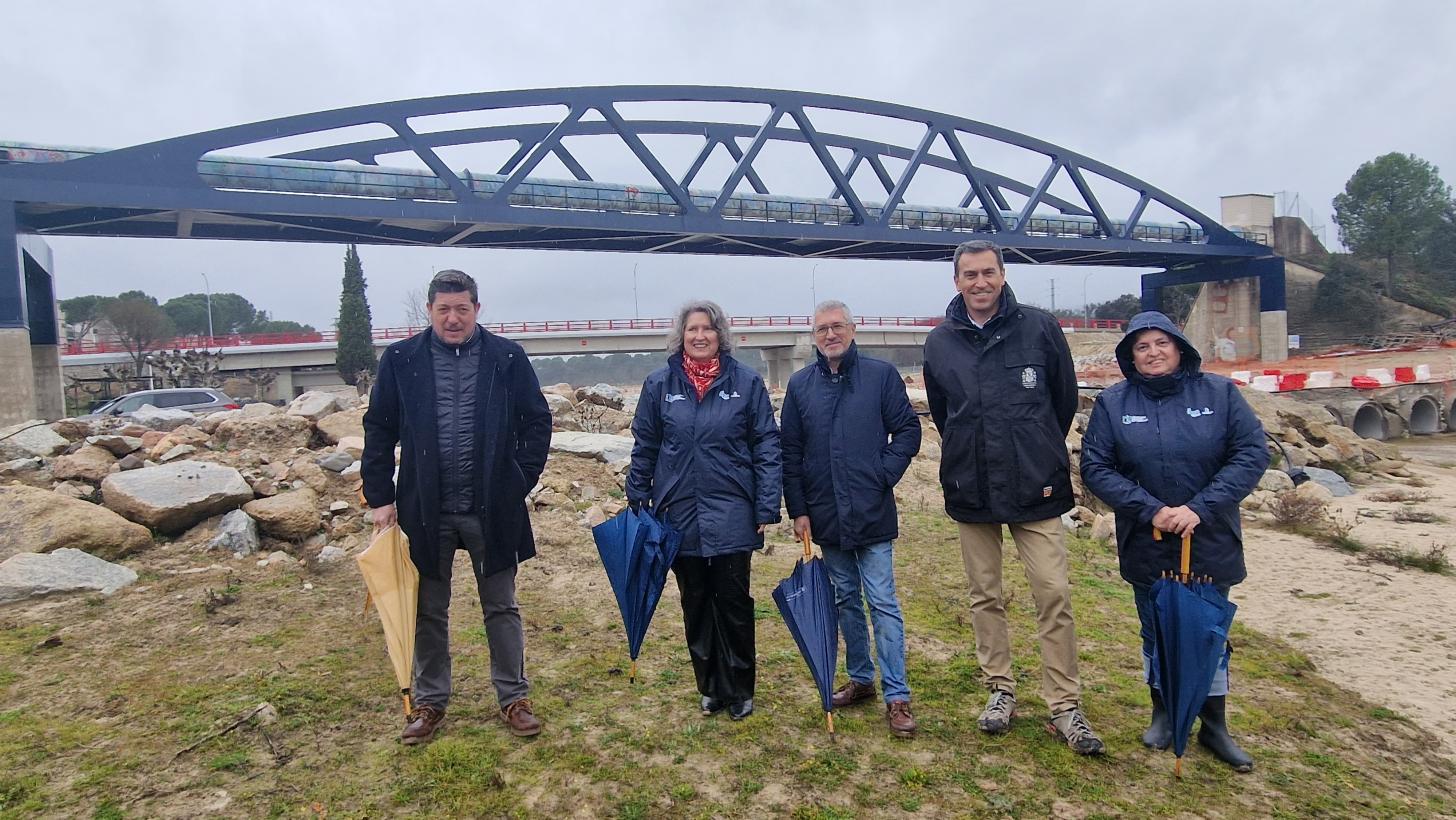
pixel 30 362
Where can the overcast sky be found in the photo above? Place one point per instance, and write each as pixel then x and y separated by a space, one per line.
pixel 1200 100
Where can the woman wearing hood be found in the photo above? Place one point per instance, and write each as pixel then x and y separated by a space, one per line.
pixel 1176 449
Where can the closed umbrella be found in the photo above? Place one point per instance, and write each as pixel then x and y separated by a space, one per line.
pixel 394 589
pixel 1191 623
pixel 806 600
pixel 636 549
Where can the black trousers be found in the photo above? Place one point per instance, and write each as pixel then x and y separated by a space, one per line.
pixel 718 620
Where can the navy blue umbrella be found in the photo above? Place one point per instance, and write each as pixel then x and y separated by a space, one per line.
pixel 1191 623
pixel 636 550
pixel 806 600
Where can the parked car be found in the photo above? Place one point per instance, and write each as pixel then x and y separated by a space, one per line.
pixel 192 399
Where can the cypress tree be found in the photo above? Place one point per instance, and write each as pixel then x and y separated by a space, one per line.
pixel 355 332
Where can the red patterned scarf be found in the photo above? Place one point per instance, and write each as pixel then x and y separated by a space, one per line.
pixel 701 374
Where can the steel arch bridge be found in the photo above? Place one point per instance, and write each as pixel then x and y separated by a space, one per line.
pixel 199 186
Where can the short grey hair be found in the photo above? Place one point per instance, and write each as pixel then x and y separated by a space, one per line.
pixel 977 246
pixel 716 317
pixel 834 304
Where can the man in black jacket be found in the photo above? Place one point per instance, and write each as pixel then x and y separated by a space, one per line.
pixel 1002 393
pixel 848 436
pixel 473 428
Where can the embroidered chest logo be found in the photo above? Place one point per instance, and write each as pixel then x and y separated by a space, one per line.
pixel 1194 412
pixel 1028 378
pixel 1134 419
pixel 672 397
pixel 723 394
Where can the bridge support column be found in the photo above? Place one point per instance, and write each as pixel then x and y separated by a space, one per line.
pixel 783 362
pixel 1240 312
pixel 17 384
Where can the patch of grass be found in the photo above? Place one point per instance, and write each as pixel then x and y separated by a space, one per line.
pixel 1408 516
pixel 1399 495
pixel 1433 559
pixel 20 796
pixel 229 761
pixel 108 810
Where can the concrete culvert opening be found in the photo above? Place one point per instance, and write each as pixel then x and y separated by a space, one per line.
pixel 1339 417
pixel 1451 418
pixel 1425 417
pixel 1370 422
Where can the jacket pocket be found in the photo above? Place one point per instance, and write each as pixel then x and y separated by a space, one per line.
pixel 1026 377
pixel 1043 468
pixel 958 469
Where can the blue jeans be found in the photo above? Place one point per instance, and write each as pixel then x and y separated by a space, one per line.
pixel 1143 597
pixel 868 574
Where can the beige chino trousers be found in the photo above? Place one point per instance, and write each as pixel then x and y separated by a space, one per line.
pixel 1042 548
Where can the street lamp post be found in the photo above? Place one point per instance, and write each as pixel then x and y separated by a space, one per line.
pixel 1086 307
pixel 636 313
pixel 207 286
pixel 814 287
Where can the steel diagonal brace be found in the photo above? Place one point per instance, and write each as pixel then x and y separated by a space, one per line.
pixel 898 195
pixel 432 160
pixel 1041 188
pixel 982 195
pixel 547 145
pixel 1086 191
pixel 646 157
pixel 826 159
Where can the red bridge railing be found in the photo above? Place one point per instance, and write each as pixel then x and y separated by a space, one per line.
pixel 549 326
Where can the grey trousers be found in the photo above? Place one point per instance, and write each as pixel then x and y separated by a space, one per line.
pixel 503 632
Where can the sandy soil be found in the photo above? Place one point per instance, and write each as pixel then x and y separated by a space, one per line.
pixel 1385 632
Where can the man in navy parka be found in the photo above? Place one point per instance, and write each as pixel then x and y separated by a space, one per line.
pixel 1177 449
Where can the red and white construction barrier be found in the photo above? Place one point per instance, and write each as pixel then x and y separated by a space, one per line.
pixel 1275 381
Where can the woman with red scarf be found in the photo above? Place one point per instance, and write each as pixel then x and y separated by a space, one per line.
pixel 707 460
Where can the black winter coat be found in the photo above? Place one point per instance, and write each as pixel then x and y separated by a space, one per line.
pixel 1003 399
pixel 1190 439
pixel 712 468
pixel 513 435
pixel 848 439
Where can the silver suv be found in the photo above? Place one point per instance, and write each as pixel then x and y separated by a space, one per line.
pixel 200 400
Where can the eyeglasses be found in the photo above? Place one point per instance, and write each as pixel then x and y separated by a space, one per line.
pixel 838 327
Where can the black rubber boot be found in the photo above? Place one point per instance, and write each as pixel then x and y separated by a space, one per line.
pixel 1159 734
pixel 1213 735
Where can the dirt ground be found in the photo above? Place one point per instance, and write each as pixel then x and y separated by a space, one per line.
pixel 1388 633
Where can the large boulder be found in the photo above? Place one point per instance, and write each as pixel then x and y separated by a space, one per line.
pixel 36 520
pixel 237 533
pixel 259 409
pixel 31 575
pixel 335 461
pixel 30 439
pixel 313 405
pixel 603 394
pixel 172 497
pixel 72 429
pixel 1276 481
pixel 353 445
pixel 291 516
pixel 210 422
pixel 1330 480
pixel 161 418
pixel 186 434
pixel 271 432
pixel 90 464
pixel 609 449
pixel 345 424
pixel 116 445
pixel 561 389
pixel 557 403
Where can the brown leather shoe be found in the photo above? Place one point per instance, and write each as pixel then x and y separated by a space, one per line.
pixel 421 724
pixel 902 723
pixel 852 693
pixel 520 719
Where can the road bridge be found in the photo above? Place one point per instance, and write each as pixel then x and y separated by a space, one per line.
pixel 855 179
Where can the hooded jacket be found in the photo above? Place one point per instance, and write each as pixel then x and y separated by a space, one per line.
pixel 512 433
pixel 1188 438
pixel 1003 398
pixel 848 438
pixel 711 467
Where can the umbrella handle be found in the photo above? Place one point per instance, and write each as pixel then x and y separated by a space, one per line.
pixel 1185 555
pixel 829 719
pixel 809 553
pixel 408 705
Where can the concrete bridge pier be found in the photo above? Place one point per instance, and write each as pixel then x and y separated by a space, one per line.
pixel 30 362
pixel 783 362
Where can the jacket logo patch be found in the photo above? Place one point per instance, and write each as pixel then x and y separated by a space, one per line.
pixel 1028 378
pixel 1046 492
pixel 1134 419
pixel 723 394
pixel 1194 412
pixel 672 397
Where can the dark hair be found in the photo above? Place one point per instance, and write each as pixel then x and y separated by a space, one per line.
pixel 977 246
pixel 452 281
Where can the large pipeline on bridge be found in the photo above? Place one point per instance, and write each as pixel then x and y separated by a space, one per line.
pixel 372 181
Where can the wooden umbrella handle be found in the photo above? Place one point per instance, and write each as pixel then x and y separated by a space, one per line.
pixel 808 546
pixel 1187 555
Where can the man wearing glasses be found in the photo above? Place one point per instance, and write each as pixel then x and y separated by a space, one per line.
pixel 848 435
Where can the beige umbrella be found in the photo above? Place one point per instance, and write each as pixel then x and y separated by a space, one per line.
pixel 394 588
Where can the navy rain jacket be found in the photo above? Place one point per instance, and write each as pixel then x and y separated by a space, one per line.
pixel 712 468
pixel 848 439
pixel 1185 439
pixel 1003 398
pixel 512 427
